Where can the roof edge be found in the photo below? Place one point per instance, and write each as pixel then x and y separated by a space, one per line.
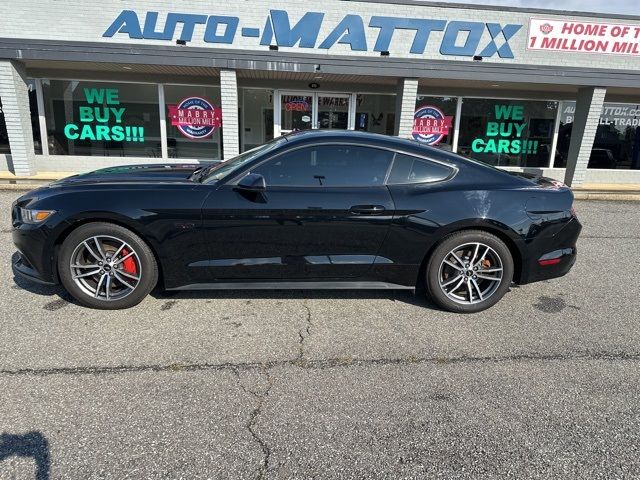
pixel 503 8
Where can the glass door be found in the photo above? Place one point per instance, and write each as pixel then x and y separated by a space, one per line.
pixel 304 111
pixel 296 112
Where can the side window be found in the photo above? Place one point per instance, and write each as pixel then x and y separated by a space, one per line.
pixel 409 169
pixel 329 166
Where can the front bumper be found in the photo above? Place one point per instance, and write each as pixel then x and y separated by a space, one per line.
pixel 35 255
pixel 23 268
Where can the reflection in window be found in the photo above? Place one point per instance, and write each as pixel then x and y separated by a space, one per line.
pixel 194 121
pixel 516 133
pixel 4 138
pixel 329 166
pixel 409 169
pixel 35 121
pixel 617 141
pixel 102 118
pixel 376 113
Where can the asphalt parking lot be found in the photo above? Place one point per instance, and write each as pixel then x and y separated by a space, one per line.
pixel 330 384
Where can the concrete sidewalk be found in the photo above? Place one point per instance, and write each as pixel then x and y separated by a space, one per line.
pixel 589 191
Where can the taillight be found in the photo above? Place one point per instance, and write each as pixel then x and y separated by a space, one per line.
pixel 551 261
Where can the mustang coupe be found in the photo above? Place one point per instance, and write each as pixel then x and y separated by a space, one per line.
pixel 321 209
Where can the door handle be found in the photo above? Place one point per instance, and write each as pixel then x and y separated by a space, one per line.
pixel 367 209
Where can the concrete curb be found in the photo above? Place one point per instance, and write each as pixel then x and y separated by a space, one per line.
pixel 608 196
pixel 20 186
pixel 616 197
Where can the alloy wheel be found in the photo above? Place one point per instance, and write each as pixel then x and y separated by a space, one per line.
pixel 106 267
pixel 470 273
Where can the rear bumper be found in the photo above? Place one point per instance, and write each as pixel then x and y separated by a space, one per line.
pixel 553 257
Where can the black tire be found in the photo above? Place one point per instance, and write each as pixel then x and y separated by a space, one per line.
pixel 442 252
pixel 145 259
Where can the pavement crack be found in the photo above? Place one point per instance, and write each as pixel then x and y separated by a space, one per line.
pixel 323 364
pixel 304 333
pixel 260 397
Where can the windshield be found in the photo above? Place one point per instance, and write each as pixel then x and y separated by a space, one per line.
pixel 221 170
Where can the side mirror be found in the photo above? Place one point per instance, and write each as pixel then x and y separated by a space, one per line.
pixel 252 182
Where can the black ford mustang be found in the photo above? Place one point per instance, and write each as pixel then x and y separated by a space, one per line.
pixel 307 210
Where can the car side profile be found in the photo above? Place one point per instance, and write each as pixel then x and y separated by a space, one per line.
pixel 315 209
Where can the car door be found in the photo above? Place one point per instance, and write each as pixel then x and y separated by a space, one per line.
pixel 324 215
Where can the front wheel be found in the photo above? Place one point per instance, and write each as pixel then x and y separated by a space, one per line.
pixel 106 266
pixel 469 271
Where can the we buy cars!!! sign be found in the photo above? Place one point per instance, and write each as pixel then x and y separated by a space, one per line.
pixel 584 37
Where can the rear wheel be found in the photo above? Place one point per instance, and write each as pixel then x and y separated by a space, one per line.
pixel 469 271
pixel 107 266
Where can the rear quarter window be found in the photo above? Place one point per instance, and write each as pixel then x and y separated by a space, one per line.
pixel 410 169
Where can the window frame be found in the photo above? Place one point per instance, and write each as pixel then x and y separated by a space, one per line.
pixel 454 168
pixel 235 180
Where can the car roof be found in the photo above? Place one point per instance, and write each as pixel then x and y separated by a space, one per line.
pixel 344 135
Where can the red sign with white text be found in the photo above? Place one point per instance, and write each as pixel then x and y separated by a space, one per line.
pixel 584 37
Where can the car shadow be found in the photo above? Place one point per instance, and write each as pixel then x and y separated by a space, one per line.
pixel 32 444
pixel 405 296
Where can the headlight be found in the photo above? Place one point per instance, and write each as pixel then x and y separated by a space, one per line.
pixel 35 216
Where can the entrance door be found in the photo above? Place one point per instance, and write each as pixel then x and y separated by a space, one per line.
pixel 296 112
pixel 304 111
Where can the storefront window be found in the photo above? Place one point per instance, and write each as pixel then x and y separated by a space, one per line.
pixel 376 113
pixel 617 141
pixel 256 118
pixel 102 118
pixel 194 121
pixel 434 120
pixel 4 139
pixel 516 133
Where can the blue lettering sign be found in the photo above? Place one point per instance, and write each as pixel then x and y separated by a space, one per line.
pixel 388 25
pixel 305 31
pixel 350 31
pixel 230 27
pixel 127 22
pixel 496 29
pixel 459 39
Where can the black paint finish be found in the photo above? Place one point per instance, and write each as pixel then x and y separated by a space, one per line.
pixel 206 232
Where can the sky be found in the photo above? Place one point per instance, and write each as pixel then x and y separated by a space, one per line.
pixel 629 7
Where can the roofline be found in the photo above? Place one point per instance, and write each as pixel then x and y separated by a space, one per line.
pixel 503 8
pixel 106 52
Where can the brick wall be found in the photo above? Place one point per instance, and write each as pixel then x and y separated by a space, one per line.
pixel 587 118
pixel 229 100
pixel 408 89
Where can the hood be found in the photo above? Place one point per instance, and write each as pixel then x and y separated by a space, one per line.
pixel 147 173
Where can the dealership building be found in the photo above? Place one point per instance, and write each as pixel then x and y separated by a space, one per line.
pixel 87 85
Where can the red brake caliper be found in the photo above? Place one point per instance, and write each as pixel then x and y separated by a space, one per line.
pixel 129 265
